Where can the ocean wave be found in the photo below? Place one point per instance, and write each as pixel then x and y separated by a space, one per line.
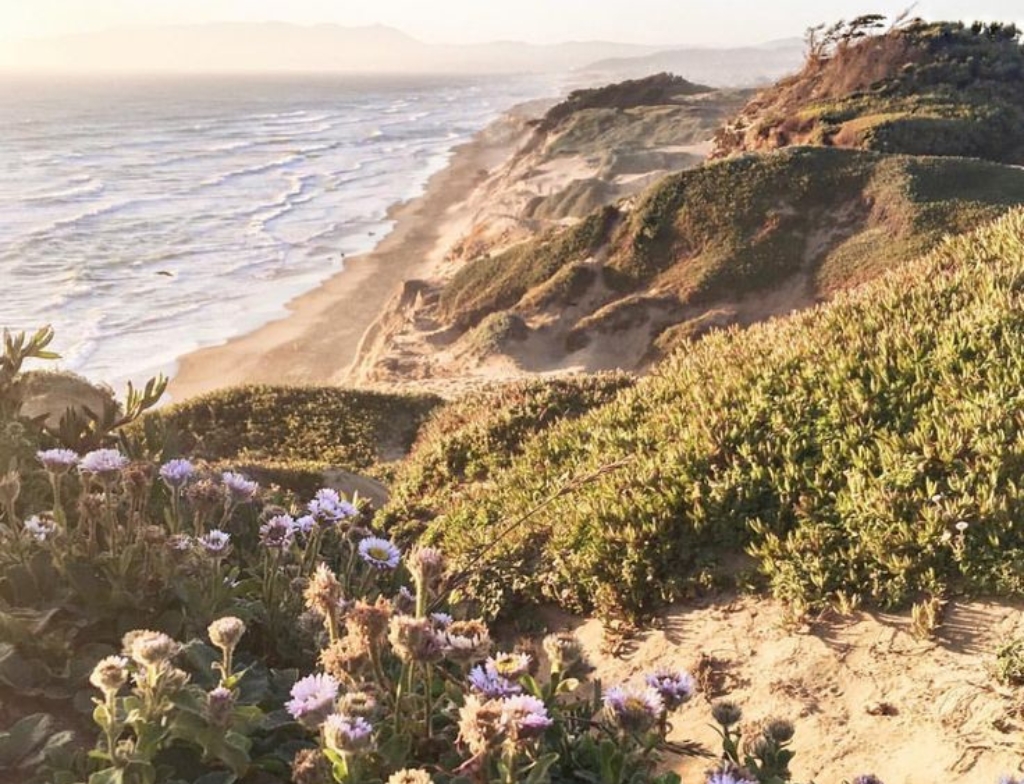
pixel 246 171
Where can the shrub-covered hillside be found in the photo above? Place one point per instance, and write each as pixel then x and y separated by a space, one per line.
pixel 731 242
pixel 468 440
pixel 869 449
pixel 292 434
pixel 920 88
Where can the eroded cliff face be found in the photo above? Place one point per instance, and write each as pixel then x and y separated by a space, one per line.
pixel 598 148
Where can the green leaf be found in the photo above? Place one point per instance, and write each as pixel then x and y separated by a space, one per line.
pixel 539 769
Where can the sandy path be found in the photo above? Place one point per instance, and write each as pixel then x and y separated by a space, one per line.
pixel 319 340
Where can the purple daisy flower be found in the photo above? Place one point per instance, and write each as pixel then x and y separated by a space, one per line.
pixel 304 524
pixel 634 710
pixel 379 553
pixel 58 461
pixel 176 473
pixel 524 717
pixel 727 777
pixel 215 542
pixel 313 699
pixel 871 778
pixel 486 681
pixel 240 488
pixel 40 529
pixel 329 507
pixel 278 532
pixel 674 687
pixel 103 463
pixel 348 734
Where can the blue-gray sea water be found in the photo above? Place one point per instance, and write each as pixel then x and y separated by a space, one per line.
pixel 144 218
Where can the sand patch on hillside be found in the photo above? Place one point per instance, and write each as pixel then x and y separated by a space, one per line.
pixel 865 694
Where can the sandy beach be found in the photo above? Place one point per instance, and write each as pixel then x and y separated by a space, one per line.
pixel 319 340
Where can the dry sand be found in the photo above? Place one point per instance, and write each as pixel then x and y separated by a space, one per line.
pixel 319 340
pixel 865 695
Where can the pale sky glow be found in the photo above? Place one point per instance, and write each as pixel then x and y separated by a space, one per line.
pixel 464 21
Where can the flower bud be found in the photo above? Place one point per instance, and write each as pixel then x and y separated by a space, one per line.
pixel 226 633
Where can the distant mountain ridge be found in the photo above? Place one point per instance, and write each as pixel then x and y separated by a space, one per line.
pixel 277 46
pixel 734 67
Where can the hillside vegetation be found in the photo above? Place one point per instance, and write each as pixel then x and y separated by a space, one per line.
pixel 843 449
pixel 920 88
pixel 730 242
pixel 291 434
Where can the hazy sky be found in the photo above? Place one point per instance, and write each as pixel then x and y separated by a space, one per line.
pixel 458 21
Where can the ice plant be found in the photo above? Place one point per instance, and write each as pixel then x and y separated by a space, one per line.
pixel 313 699
pixel 379 553
pixel 674 687
pixel 632 709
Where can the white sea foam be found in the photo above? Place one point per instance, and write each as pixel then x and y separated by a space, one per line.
pixel 144 220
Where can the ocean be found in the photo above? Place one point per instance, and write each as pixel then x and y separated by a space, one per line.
pixel 145 218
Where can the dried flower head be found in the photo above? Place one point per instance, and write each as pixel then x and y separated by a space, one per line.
pixel 370 621
pixel 379 553
pixel 467 642
pixel 345 658
pixel 726 713
pixel 634 710
pixel 359 703
pixel 310 767
pixel 414 639
pixel 206 497
pixel 110 674
pixel 480 724
pixel 176 473
pixel 313 699
pixel 226 632
pixel 563 650
pixel 148 648
pixel 426 564
pixel 410 776
pixel 323 594
pixel 404 601
pixel 779 730
pixel 348 734
pixel 57 461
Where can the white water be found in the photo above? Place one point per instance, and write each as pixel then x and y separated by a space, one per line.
pixel 146 218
